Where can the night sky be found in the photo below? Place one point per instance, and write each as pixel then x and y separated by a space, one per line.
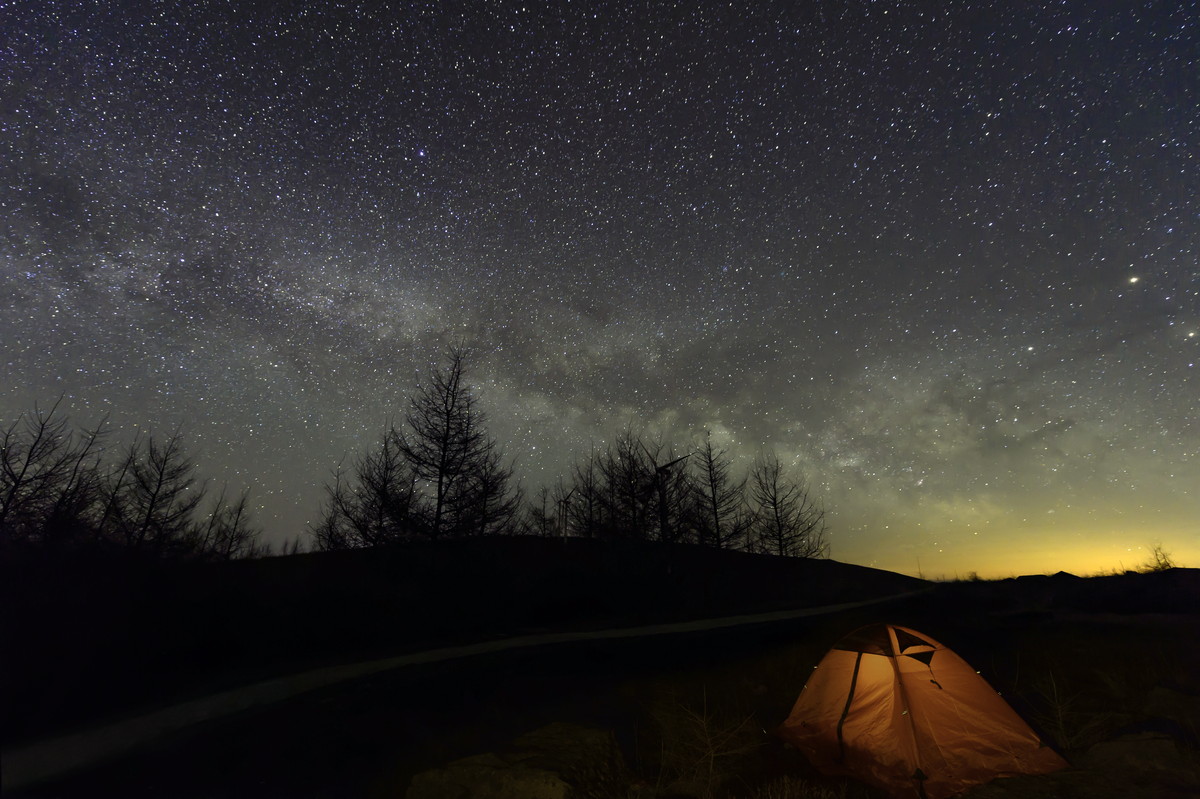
pixel 941 257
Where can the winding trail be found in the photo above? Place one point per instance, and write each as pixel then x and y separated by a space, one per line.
pixel 52 758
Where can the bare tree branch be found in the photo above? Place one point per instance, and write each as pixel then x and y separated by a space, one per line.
pixel 787 520
pixel 721 516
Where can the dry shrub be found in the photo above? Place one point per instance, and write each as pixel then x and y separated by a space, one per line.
pixel 1060 713
pixel 700 751
pixel 1159 560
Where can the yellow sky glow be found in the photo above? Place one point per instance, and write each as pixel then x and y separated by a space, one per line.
pixel 1035 550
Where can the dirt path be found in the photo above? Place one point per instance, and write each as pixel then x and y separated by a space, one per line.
pixel 53 759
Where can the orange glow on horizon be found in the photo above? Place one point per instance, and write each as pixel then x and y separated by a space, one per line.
pixel 1036 552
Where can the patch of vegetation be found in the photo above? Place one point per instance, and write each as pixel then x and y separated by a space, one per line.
pixel 1061 713
pixel 700 749
pixel 1159 560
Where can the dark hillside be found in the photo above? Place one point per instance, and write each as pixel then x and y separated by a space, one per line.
pixel 1174 590
pixel 88 640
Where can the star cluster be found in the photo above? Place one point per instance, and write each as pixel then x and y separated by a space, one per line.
pixel 940 257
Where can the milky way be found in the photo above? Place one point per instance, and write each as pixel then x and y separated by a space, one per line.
pixel 941 258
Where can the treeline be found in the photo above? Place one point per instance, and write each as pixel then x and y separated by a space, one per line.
pixel 439 474
pixel 435 474
pixel 63 490
pixel 636 490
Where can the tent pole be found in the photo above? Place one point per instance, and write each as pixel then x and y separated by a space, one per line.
pixel 846 709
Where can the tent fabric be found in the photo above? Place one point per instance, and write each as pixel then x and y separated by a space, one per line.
pixel 896 709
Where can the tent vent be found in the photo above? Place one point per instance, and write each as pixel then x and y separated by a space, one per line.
pixel 905 639
pixel 924 657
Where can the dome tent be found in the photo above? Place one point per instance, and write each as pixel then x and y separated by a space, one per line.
pixel 898 710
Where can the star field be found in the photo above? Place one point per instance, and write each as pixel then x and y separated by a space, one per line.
pixel 941 257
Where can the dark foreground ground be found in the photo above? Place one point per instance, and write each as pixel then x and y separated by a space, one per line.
pixel 1107 669
pixel 87 641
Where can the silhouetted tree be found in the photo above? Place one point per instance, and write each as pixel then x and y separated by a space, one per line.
pixel 786 521
pixel 56 493
pixel 294 546
pixel 582 505
pixel 445 440
pixel 549 514
pixel 626 487
pixel 155 501
pixel 1159 560
pixel 672 492
pixel 483 501
pixel 439 475
pixel 374 504
pixel 227 532
pixel 632 490
pixel 719 513
pixel 541 518
pixel 49 479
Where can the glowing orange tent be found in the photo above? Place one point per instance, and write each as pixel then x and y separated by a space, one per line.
pixel 896 709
